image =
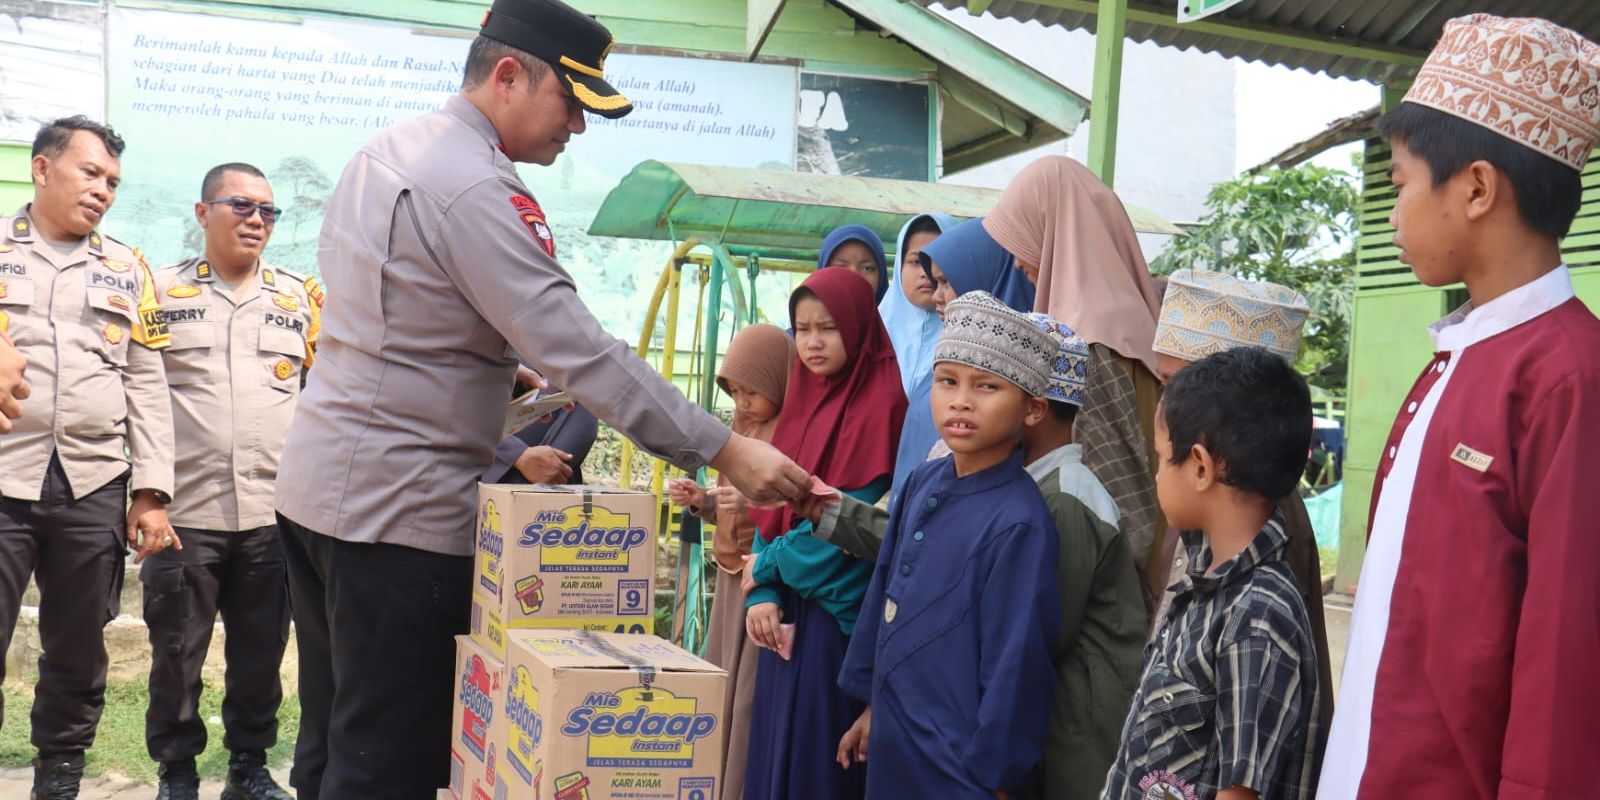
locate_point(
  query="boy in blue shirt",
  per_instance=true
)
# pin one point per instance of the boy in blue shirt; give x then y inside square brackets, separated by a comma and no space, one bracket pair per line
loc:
[953,644]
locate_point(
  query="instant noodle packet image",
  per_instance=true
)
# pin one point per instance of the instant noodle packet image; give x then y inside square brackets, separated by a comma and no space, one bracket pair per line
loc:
[606,716]
[578,557]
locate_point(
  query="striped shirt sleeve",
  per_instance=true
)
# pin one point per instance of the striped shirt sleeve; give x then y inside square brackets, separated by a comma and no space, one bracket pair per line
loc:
[1260,719]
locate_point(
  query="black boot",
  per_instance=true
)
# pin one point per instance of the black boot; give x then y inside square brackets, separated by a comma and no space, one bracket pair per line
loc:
[57,777]
[248,779]
[179,781]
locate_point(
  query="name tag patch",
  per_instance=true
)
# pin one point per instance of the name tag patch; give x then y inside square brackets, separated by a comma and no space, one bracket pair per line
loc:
[171,315]
[286,322]
[1471,458]
[121,284]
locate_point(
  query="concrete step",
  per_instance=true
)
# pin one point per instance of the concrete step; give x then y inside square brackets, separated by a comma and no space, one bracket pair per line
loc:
[128,647]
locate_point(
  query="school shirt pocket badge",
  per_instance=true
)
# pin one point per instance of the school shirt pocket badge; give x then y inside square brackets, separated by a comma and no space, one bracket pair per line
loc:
[1470,458]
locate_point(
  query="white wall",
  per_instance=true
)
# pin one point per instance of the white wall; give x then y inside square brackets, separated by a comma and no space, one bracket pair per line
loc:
[1177,134]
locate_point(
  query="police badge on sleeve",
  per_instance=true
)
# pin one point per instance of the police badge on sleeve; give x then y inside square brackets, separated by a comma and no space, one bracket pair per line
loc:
[533,216]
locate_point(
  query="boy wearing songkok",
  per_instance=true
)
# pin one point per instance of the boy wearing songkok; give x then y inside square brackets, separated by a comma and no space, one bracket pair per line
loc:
[1208,312]
[1475,640]
[1103,614]
[953,644]
[1227,705]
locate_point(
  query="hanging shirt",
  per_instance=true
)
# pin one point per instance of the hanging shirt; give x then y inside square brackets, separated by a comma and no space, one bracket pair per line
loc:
[953,646]
[1475,643]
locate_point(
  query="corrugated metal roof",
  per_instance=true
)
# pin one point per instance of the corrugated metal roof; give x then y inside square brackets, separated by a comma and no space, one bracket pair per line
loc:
[1395,26]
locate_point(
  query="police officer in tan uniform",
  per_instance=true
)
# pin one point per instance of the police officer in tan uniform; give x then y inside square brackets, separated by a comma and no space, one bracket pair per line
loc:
[82,309]
[243,334]
[441,268]
[13,386]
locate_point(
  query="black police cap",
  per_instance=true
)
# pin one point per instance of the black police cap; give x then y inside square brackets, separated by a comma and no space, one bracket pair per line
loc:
[571,42]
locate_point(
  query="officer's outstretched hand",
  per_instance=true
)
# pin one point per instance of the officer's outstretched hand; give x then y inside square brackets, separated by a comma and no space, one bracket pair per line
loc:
[13,387]
[760,472]
[149,531]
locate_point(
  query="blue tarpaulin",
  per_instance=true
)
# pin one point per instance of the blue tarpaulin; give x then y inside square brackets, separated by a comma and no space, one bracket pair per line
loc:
[1324,512]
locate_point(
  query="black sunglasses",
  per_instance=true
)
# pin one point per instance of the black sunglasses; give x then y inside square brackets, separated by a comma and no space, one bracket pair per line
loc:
[244,207]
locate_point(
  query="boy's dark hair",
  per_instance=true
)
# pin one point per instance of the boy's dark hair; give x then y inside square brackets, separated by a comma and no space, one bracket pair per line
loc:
[54,136]
[1251,410]
[923,224]
[484,53]
[1548,192]
[1064,413]
[213,179]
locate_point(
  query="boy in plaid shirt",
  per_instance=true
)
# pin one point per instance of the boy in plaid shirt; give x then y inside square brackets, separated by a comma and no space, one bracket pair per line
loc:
[1228,703]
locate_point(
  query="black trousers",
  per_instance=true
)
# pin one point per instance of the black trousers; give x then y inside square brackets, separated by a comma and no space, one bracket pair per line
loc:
[240,574]
[375,625]
[74,549]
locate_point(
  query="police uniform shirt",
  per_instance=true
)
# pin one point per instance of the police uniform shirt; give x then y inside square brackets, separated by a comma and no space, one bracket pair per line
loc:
[234,368]
[90,326]
[437,256]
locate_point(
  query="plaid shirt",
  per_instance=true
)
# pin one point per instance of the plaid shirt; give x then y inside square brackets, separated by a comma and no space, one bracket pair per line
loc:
[1229,695]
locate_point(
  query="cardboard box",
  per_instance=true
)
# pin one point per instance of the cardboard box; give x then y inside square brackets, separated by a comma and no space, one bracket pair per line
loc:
[578,557]
[477,723]
[597,716]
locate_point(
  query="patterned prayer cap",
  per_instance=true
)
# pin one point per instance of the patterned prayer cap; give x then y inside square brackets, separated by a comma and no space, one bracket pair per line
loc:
[1069,369]
[1209,312]
[984,333]
[1527,79]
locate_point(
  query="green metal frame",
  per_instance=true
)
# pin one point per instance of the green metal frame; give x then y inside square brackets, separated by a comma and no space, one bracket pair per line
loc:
[1110,35]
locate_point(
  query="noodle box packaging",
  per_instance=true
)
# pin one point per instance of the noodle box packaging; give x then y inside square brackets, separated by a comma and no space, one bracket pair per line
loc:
[477,723]
[577,557]
[608,716]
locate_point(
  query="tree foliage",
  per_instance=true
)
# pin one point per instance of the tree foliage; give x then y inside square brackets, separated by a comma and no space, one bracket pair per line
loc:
[1295,227]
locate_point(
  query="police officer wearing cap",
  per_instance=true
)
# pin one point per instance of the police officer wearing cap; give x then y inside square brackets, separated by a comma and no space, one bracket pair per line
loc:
[442,268]
[243,334]
[81,307]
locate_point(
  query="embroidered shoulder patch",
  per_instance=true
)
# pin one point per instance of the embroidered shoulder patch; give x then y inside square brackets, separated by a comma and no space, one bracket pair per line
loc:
[533,216]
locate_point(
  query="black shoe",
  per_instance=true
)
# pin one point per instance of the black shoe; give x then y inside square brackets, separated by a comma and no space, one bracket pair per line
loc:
[248,779]
[57,777]
[179,781]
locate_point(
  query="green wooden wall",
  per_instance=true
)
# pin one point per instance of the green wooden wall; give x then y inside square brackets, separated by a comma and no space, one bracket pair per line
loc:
[16,187]
[1389,340]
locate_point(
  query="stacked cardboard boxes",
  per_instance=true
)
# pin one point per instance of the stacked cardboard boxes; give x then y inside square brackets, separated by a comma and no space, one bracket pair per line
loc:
[555,698]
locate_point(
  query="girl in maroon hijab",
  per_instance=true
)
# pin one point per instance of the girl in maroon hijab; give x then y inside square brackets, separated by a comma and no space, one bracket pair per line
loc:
[841,422]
